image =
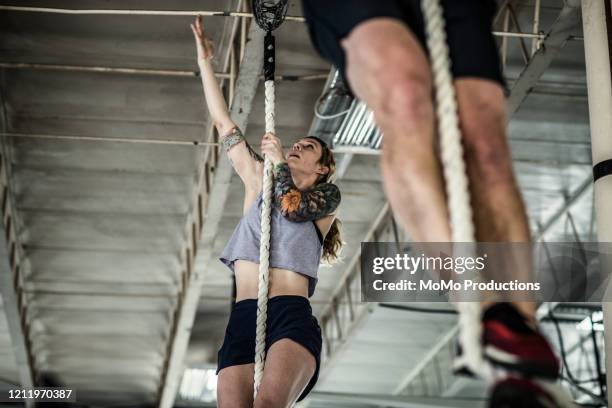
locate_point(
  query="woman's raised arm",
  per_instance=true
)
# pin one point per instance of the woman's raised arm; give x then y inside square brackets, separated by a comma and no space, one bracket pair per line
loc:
[245,161]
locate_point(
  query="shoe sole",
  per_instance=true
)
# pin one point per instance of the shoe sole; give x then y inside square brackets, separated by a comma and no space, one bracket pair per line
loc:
[521,393]
[526,369]
[508,363]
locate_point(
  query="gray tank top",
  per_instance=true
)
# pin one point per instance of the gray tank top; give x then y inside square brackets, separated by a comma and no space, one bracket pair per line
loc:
[295,246]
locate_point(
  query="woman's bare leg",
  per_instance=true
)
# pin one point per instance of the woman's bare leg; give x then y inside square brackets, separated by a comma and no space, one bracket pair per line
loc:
[235,386]
[288,370]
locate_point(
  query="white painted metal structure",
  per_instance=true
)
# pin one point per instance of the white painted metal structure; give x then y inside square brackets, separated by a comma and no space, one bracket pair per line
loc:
[597,24]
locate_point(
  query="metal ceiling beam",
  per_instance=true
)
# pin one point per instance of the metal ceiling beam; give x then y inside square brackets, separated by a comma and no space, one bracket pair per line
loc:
[315,76]
[555,40]
[133,12]
[246,88]
[171,13]
[11,270]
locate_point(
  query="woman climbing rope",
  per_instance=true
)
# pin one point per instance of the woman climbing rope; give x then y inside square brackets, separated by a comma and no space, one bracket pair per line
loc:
[304,230]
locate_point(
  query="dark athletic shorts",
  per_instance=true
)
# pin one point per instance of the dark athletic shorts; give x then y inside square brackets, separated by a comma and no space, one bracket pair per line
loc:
[468,26]
[289,317]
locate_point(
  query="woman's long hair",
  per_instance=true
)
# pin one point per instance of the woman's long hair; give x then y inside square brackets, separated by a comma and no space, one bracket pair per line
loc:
[333,240]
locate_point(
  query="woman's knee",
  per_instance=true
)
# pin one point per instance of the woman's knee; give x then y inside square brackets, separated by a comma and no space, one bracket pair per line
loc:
[271,398]
[289,368]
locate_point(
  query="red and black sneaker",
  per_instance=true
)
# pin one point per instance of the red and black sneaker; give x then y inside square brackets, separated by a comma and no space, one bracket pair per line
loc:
[514,392]
[512,347]
[520,362]
[510,343]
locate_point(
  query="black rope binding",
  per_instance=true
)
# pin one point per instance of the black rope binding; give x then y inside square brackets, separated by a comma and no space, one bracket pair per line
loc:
[269,15]
[269,56]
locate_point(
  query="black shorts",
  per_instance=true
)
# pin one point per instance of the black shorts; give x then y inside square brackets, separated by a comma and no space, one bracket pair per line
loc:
[473,50]
[289,317]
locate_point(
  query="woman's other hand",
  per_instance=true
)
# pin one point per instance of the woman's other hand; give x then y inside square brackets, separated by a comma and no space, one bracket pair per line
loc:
[272,148]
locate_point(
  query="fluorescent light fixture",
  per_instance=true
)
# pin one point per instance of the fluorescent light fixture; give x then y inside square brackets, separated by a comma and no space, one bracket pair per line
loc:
[199,384]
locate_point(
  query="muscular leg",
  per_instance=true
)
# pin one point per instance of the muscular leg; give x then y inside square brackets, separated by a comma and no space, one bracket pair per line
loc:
[235,387]
[288,370]
[499,212]
[389,71]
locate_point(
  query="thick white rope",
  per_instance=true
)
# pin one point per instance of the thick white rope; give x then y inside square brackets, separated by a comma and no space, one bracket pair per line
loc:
[264,248]
[451,155]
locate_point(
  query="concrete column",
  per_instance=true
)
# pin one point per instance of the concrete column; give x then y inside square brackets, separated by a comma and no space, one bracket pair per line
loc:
[597,25]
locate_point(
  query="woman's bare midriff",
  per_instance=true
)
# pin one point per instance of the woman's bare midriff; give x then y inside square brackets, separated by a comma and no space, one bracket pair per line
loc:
[282,281]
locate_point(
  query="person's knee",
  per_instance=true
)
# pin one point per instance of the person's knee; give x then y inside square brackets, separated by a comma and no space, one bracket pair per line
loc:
[377,42]
[385,59]
[405,115]
[406,99]
[404,88]
[272,394]
[482,106]
[483,114]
